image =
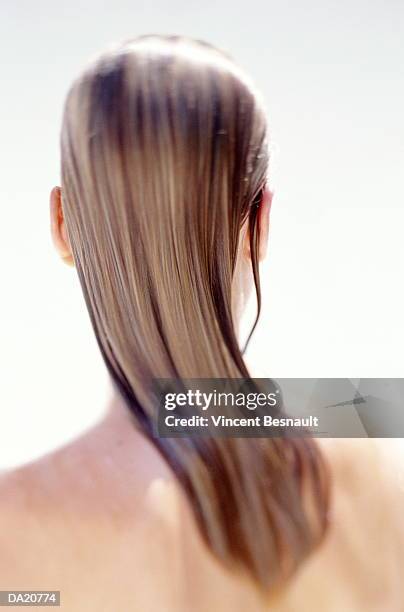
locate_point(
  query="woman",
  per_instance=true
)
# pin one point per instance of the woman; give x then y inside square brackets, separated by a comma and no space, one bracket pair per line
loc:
[164,211]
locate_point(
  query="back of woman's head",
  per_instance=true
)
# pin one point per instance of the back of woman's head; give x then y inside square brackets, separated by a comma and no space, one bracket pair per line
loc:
[164,161]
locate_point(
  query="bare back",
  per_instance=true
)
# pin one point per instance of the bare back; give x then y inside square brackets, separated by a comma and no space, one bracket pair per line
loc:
[104,521]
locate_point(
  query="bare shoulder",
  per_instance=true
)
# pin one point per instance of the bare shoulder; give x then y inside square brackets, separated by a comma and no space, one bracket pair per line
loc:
[22,528]
[378,463]
[367,509]
[359,560]
[369,475]
[95,511]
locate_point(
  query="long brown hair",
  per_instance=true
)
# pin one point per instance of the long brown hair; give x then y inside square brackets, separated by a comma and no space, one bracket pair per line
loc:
[164,158]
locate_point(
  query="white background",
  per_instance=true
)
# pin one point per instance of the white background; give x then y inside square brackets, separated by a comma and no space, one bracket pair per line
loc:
[332,77]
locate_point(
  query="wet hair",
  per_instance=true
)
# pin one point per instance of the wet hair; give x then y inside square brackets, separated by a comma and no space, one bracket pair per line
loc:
[164,159]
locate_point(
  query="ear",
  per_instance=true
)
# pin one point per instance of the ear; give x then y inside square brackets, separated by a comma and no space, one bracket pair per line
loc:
[58,227]
[264,215]
[264,209]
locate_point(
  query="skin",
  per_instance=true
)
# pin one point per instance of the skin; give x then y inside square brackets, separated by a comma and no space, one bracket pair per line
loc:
[104,521]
